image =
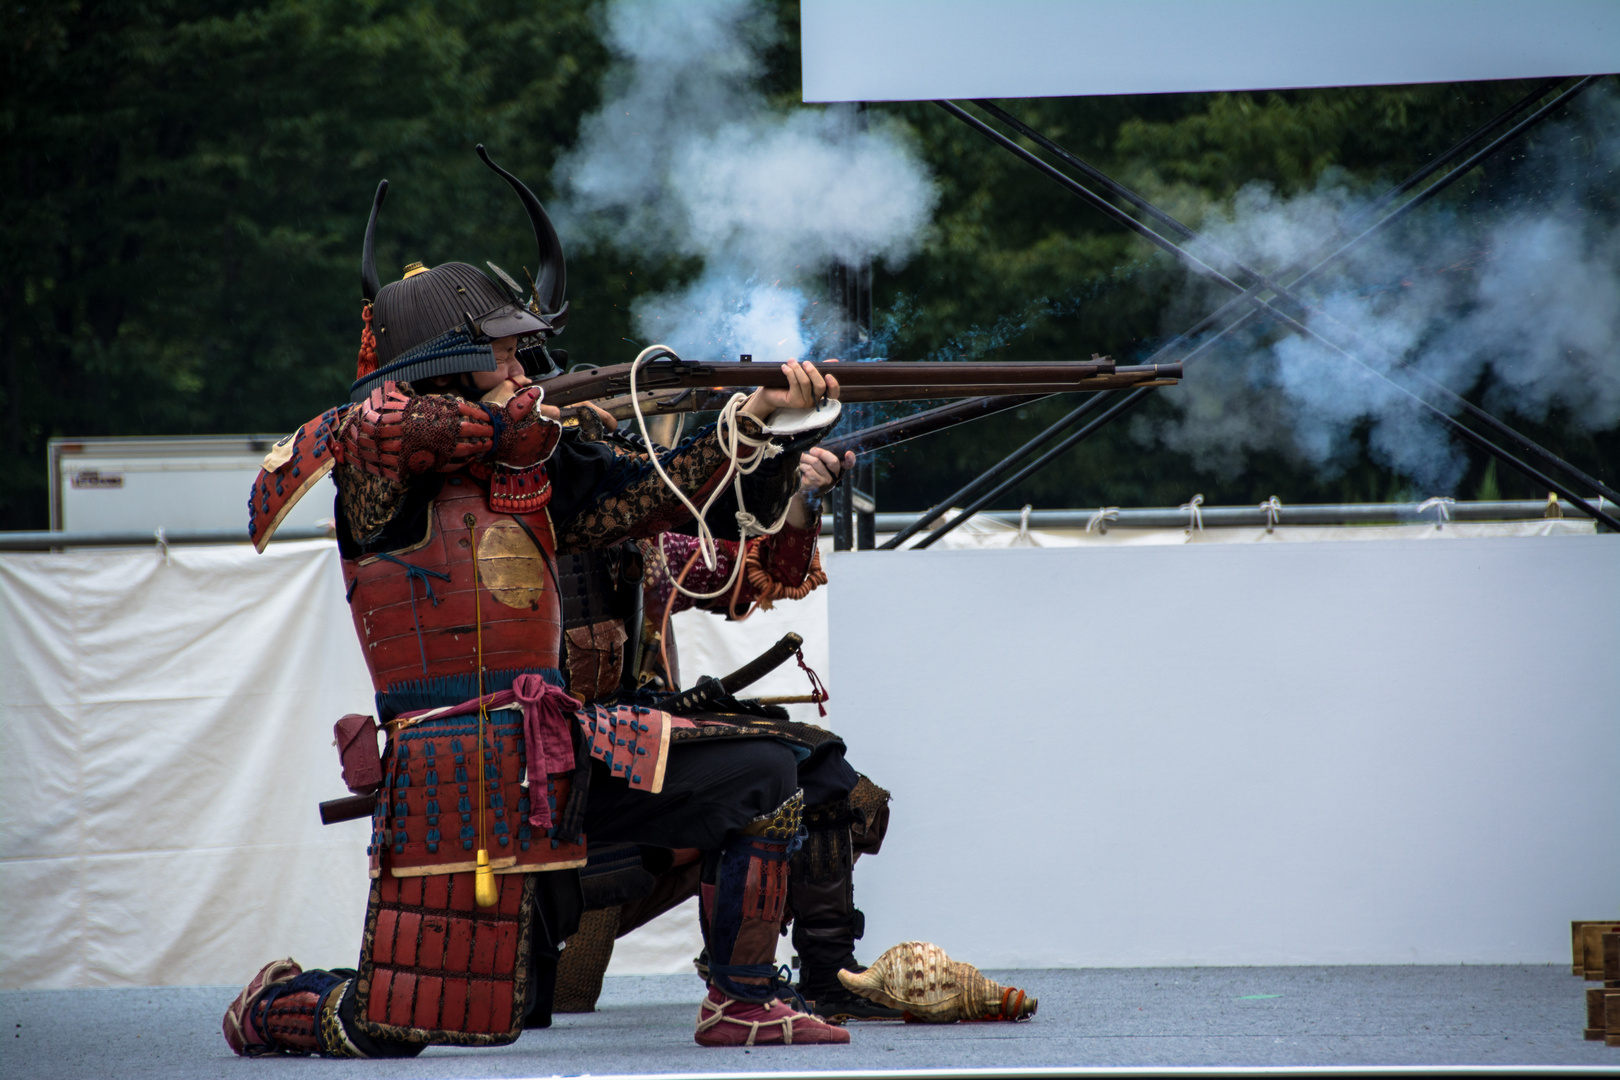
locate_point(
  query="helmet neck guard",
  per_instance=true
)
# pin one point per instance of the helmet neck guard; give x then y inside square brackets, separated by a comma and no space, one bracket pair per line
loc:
[450,353]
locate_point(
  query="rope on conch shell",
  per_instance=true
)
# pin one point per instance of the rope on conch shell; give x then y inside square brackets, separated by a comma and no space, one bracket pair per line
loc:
[918,978]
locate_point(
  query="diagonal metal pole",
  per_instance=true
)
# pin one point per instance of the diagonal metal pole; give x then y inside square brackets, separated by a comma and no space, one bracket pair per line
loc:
[1199,266]
[1237,303]
[1086,408]
[1366,213]
[889,433]
[1547,457]
[1118,409]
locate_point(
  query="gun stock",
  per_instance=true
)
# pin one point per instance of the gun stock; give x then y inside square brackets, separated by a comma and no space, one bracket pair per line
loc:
[347,808]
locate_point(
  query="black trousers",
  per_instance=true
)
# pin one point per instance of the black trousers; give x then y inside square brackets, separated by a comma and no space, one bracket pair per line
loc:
[711,788]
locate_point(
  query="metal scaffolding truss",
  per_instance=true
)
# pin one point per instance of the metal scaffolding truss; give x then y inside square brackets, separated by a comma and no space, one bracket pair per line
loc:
[1276,298]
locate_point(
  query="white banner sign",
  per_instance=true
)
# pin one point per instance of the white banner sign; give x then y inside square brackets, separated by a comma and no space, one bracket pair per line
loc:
[903,50]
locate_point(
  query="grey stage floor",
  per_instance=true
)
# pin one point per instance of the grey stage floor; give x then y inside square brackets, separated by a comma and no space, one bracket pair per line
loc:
[1157,1017]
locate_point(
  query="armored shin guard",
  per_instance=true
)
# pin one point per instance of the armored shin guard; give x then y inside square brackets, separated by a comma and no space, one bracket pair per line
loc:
[584,962]
[821,898]
[826,923]
[742,914]
[286,1010]
[744,903]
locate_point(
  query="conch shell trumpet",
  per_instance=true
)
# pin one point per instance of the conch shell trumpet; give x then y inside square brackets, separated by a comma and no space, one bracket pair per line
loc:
[921,981]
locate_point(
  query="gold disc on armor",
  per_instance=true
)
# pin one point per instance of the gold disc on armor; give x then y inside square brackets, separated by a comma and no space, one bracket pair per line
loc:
[510,566]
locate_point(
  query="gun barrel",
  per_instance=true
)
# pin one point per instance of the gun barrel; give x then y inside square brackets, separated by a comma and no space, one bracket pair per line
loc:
[701,388]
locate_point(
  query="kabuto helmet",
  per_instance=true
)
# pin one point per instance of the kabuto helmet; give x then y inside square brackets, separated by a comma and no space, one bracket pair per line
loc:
[441,320]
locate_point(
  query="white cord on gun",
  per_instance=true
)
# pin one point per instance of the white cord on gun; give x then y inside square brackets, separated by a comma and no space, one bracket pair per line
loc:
[732,441]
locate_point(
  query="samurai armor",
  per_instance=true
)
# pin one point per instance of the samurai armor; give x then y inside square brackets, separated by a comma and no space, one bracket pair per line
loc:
[279,1011]
[742,908]
[869,805]
[356,738]
[600,593]
[437,969]
[741,915]
[293,466]
[596,658]
[424,822]
[585,961]
[632,741]
[416,611]
[427,301]
[821,896]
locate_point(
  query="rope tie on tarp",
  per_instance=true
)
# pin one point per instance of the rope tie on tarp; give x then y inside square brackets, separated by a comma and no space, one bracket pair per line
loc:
[415,574]
[1195,516]
[1273,511]
[1442,505]
[1099,521]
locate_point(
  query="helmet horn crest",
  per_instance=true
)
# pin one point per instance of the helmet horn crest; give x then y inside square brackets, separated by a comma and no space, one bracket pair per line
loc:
[551,275]
[369,285]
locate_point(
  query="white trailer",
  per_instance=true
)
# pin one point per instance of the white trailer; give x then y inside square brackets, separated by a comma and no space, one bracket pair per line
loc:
[195,483]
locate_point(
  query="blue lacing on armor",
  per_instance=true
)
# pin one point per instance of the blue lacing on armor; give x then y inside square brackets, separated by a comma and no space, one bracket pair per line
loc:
[780,985]
[415,574]
[497,420]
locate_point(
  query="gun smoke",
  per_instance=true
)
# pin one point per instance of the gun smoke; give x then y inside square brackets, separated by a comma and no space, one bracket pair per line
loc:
[1519,297]
[686,158]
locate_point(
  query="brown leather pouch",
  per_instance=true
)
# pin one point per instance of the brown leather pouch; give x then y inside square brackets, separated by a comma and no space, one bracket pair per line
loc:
[356,737]
[595,658]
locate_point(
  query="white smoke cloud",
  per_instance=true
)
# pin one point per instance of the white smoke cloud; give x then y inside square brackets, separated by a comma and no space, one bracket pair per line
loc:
[687,158]
[1524,293]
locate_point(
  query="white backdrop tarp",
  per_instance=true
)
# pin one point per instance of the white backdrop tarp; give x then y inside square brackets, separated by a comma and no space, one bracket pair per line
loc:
[1367,752]
[164,732]
[165,729]
[165,736]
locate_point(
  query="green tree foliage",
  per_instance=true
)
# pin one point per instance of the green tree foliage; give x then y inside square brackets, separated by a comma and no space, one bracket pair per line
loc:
[1020,268]
[183,187]
[185,183]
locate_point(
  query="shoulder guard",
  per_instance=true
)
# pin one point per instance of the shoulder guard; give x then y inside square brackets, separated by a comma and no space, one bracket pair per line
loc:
[291,468]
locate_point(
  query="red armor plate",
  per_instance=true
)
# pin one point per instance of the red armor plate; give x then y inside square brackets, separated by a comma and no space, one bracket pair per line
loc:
[426,817]
[300,460]
[436,968]
[632,741]
[423,622]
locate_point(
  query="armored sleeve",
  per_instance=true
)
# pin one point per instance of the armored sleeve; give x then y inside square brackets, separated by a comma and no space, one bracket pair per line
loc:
[671,554]
[395,438]
[783,566]
[788,557]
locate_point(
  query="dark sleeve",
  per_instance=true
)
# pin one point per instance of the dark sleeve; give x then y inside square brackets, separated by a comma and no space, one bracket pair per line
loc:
[766,492]
[607,491]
